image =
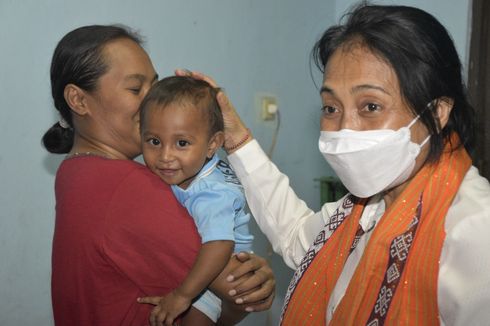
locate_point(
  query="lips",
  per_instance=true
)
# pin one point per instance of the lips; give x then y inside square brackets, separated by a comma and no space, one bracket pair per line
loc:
[167,172]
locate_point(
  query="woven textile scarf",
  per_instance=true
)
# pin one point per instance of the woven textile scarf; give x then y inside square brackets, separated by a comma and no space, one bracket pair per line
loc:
[395,282]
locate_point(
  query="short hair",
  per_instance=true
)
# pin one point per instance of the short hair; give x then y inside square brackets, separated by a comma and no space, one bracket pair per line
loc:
[78,59]
[423,56]
[185,89]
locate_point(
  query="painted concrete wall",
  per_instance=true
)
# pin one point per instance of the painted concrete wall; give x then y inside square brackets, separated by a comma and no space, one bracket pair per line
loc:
[250,47]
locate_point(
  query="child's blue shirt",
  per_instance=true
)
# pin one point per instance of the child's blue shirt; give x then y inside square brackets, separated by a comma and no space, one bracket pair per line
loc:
[216,202]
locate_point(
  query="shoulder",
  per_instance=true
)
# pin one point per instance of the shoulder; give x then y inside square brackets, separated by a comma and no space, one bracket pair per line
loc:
[144,209]
[467,224]
[471,205]
[97,168]
[210,191]
[464,258]
[129,187]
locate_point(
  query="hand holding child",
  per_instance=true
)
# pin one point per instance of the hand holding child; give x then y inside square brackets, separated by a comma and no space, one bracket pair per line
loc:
[167,308]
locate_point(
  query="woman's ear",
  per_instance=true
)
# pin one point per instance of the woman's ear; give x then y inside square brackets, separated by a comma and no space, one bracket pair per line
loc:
[75,98]
[442,111]
[215,143]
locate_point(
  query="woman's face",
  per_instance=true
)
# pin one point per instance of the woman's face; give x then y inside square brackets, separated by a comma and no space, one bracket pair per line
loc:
[114,105]
[360,92]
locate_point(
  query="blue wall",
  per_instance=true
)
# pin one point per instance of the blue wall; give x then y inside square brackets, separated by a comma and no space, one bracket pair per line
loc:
[250,47]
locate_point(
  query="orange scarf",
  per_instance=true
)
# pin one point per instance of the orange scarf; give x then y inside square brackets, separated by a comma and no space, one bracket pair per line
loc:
[395,281]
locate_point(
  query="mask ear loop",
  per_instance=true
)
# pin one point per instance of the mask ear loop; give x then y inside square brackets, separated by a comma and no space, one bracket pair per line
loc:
[435,116]
[429,106]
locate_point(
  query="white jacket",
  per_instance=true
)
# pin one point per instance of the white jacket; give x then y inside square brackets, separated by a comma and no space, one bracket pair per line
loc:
[291,227]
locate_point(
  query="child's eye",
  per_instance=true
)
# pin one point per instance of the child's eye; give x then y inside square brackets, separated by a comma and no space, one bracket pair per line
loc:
[182,143]
[153,141]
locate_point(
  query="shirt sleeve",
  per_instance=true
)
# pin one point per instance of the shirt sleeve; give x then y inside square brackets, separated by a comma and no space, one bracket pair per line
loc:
[213,206]
[149,236]
[464,274]
[288,223]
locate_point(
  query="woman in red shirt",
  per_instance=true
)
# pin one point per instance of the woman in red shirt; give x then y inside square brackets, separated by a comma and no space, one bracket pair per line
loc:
[120,234]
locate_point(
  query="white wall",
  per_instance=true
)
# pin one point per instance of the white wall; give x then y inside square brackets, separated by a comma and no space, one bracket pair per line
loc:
[249,46]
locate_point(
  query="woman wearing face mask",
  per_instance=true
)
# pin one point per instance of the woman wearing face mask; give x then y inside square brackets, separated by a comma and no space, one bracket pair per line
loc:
[409,244]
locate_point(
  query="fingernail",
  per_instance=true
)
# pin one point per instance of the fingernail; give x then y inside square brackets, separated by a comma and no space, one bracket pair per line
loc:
[230,278]
[239,301]
[138,299]
[187,71]
[249,309]
[232,292]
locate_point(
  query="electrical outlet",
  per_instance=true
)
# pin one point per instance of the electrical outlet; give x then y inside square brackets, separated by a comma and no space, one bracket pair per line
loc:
[268,107]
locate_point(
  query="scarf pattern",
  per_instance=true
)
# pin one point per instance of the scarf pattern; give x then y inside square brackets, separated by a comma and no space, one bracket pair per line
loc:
[399,250]
[340,214]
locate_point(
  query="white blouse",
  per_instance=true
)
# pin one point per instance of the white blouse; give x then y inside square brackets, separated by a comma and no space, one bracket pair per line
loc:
[291,227]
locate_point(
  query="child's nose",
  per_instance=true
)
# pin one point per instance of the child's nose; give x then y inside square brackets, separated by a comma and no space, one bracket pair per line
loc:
[166,154]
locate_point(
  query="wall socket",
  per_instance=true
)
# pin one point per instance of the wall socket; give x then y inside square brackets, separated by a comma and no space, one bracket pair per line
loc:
[268,107]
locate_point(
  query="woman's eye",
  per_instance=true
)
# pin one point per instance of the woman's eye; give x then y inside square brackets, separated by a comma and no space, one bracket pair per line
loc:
[372,107]
[182,143]
[327,109]
[135,90]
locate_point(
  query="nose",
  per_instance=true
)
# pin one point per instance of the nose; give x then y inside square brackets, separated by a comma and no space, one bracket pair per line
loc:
[349,120]
[345,120]
[166,154]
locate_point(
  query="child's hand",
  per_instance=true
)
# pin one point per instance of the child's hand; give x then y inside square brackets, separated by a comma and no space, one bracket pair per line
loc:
[167,308]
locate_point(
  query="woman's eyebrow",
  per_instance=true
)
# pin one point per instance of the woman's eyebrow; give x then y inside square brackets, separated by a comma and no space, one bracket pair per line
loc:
[326,89]
[362,87]
[355,89]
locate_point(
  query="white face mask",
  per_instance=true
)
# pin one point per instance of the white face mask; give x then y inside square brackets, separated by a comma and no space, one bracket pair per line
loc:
[368,162]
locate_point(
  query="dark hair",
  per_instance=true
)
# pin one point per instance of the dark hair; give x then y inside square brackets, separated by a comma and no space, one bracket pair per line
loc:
[423,56]
[78,60]
[182,89]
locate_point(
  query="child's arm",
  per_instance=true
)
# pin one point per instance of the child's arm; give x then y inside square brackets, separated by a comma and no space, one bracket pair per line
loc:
[211,260]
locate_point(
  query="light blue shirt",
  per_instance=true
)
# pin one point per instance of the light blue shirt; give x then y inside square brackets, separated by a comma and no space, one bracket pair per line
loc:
[216,201]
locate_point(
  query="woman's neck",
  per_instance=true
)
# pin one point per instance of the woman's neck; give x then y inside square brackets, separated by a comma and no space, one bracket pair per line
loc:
[84,146]
[391,195]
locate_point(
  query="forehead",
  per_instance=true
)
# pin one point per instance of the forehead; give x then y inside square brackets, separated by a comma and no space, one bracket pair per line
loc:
[355,64]
[124,56]
[176,115]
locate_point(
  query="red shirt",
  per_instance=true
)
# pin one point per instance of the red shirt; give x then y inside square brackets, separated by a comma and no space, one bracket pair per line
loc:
[119,234]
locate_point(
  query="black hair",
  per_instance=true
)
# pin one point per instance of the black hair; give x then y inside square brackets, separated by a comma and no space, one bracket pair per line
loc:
[182,89]
[78,60]
[423,56]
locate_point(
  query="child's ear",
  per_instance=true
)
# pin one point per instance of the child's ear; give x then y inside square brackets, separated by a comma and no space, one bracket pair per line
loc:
[442,111]
[75,97]
[215,143]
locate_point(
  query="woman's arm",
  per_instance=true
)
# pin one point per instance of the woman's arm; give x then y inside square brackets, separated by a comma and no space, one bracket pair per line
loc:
[285,219]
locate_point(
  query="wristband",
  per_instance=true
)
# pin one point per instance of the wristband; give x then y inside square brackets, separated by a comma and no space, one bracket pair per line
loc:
[240,143]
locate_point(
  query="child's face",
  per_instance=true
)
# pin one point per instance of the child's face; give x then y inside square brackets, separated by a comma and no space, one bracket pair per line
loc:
[176,142]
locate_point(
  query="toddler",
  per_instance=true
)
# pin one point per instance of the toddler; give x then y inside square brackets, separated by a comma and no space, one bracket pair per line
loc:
[182,128]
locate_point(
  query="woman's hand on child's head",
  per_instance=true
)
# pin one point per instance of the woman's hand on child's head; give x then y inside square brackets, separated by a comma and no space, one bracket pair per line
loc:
[167,308]
[254,282]
[235,129]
